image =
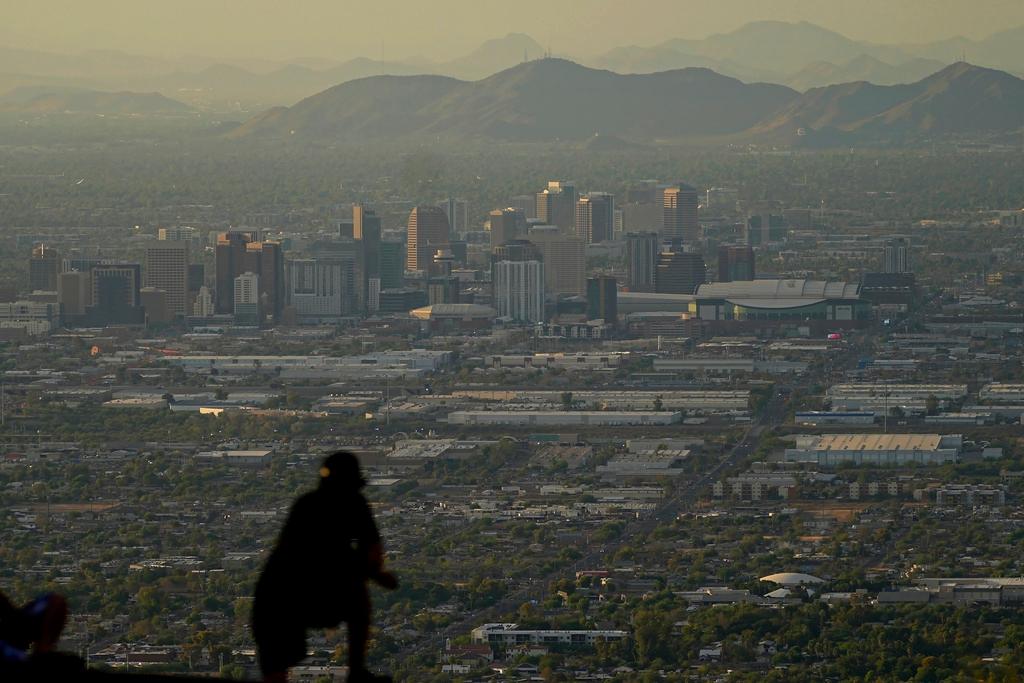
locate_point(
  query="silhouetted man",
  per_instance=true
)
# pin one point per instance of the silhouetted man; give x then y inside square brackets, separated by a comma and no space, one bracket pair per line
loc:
[316,576]
[36,625]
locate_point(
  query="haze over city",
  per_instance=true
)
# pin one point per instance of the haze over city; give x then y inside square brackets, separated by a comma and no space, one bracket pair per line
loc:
[444,29]
[475,342]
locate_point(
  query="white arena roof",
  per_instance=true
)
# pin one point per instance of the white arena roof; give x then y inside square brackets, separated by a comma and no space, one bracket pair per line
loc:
[791,579]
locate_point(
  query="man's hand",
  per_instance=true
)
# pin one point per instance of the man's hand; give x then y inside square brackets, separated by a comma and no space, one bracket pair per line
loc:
[386,579]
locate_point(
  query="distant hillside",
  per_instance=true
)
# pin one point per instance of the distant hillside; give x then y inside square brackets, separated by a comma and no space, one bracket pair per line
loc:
[862,68]
[540,100]
[493,56]
[80,101]
[961,99]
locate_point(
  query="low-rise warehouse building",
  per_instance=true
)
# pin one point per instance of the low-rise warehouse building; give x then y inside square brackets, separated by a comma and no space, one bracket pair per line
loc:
[876,449]
[511,634]
[577,418]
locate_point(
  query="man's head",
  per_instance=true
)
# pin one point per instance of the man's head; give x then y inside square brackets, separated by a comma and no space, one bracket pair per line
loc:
[340,470]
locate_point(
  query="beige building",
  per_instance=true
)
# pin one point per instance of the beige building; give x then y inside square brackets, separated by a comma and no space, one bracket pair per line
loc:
[565,260]
[166,268]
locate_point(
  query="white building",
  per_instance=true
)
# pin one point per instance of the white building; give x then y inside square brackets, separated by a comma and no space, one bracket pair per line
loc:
[203,305]
[323,289]
[34,317]
[519,290]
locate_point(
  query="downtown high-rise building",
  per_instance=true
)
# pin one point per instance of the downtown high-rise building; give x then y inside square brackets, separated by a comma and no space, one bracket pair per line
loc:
[641,257]
[565,260]
[229,256]
[116,294]
[680,220]
[602,299]
[166,268]
[366,231]
[556,205]
[324,288]
[735,262]
[392,265]
[74,292]
[457,211]
[506,225]
[679,272]
[44,268]
[519,290]
[246,302]
[428,231]
[595,217]
[237,254]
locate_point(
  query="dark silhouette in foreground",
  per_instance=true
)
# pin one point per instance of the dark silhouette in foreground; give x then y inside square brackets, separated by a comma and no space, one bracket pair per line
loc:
[317,575]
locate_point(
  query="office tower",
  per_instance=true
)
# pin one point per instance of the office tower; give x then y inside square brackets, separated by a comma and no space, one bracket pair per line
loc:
[115,294]
[679,214]
[156,304]
[266,259]
[556,205]
[457,211]
[765,229]
[229,255]
[618,223]
[314,288]
[641,258]
[459,250]
[246,299]
[565,260]
[203,305]
[74,293]
[442,287]
[196,279]
[527,203]
[346,228]
[735,262]
[595,217]
[506,225]
[116,284]
[679,272]
[181,233]
[517,250]
[519,290]
[602,299]
[428,231]
[237,253]
[366,231]
[392,265]
[897,256]
[327,286]
[43,268]
[166,269]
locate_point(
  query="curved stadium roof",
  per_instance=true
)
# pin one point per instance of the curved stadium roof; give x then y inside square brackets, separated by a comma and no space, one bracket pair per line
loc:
[789,290]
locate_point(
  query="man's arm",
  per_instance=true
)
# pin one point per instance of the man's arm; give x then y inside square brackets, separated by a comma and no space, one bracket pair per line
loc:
[369,539]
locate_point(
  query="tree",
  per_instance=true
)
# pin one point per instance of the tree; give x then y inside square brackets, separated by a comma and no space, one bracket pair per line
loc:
[567,401]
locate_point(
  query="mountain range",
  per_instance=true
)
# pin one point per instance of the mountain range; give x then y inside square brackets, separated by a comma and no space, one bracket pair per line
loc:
[555,99]
[799,55]
[45,100]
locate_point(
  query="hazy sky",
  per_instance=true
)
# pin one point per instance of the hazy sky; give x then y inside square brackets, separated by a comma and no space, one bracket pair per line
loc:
[339,29]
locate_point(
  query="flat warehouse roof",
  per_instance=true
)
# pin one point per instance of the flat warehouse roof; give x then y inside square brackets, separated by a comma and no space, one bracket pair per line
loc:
[878,442]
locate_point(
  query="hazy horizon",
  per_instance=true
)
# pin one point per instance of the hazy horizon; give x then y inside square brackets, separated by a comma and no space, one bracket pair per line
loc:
[397,30]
